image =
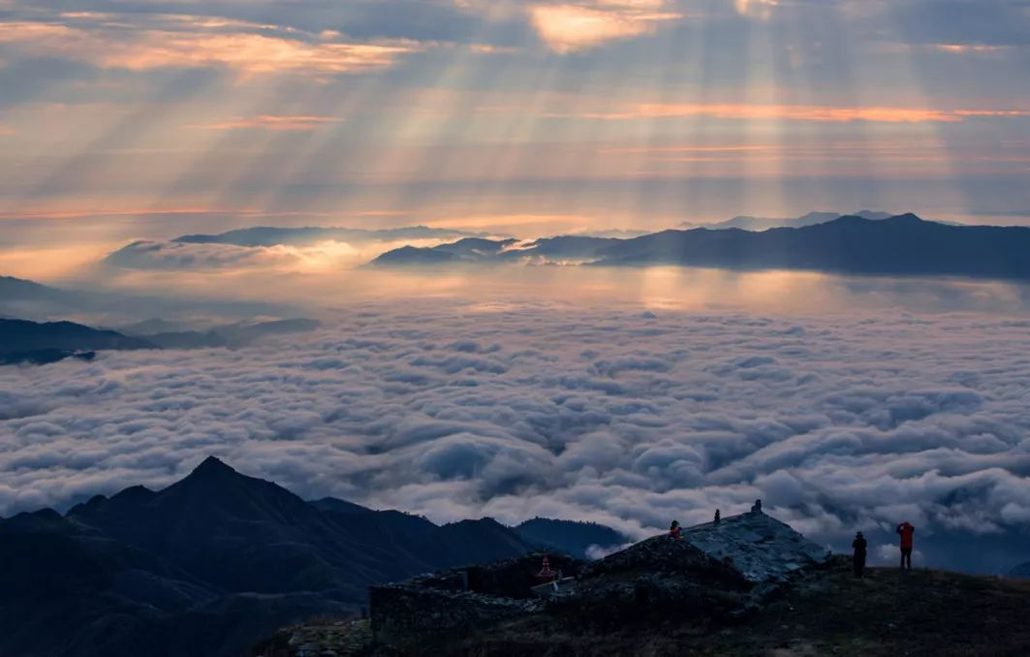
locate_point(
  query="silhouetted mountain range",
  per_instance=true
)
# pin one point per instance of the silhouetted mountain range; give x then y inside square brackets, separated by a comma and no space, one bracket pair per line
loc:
[900,245]
[31,342]
[168,336]
[765,223]
[18,289]
[210,564]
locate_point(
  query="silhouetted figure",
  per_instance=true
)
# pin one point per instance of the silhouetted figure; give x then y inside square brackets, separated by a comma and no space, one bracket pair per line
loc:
[674,530]
[718,516]
[860,546]
[547,574]
[907,532]
[757,508]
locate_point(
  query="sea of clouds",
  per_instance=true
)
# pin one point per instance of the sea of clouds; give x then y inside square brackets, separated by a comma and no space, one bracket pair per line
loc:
[838,422]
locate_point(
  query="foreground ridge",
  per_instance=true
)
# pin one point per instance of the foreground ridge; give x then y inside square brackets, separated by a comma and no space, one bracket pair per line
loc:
[746,587]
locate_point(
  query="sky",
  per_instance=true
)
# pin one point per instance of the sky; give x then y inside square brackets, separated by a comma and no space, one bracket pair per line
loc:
[129,119]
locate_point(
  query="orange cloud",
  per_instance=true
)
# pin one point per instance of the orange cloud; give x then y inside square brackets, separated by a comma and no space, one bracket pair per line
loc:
[199,45]
[968,48]
[271,122]
[571,27]
[755,8]
[815,113]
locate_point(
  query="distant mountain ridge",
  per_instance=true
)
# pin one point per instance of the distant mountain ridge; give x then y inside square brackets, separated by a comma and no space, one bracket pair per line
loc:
[168,336]
[765,223]
[210,564]
[22,341]
[272,236]
[900,245]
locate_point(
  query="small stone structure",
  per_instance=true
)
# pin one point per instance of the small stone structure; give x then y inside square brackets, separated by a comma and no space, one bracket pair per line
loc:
[444,606]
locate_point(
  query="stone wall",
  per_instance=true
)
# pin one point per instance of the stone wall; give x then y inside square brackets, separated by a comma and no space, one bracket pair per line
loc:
[414,619]
[414,616]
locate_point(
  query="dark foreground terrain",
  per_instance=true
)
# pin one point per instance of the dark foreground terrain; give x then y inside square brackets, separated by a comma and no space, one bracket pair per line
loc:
[828,612]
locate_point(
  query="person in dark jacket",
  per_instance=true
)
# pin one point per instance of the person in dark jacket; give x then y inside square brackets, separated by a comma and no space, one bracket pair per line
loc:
[674,531]
[860,545]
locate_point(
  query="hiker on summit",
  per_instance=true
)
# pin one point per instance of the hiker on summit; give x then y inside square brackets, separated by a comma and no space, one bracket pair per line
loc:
[906,531]
[718,516]
[860,546]
[757,508]
[674,530]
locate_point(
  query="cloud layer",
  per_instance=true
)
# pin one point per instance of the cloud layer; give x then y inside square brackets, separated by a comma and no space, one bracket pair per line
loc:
[617,416]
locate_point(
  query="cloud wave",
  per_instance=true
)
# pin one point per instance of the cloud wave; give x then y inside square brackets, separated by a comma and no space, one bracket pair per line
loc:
[599,415]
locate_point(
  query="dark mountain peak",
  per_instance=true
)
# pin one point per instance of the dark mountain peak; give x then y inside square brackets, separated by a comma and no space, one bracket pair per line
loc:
[908,217]
[133,494]
[212,468]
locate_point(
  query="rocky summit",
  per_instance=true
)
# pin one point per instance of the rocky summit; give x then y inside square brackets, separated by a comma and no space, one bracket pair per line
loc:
[761,548]
[715,574]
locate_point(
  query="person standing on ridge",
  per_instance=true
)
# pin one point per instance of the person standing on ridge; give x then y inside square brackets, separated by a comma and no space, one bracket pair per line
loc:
[860,546]
[674,530]
[906,531]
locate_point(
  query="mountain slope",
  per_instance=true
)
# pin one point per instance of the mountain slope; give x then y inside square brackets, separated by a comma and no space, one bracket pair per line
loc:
[17,289]
[578,539]
[900,245]
[32,342]
[208,565]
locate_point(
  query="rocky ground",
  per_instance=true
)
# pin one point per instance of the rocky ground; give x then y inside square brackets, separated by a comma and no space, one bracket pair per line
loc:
[828,613]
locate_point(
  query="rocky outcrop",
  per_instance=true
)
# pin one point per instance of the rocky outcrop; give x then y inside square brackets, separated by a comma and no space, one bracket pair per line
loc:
[759,547]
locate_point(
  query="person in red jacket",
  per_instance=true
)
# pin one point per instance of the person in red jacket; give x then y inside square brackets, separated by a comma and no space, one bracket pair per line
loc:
[906,531]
